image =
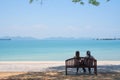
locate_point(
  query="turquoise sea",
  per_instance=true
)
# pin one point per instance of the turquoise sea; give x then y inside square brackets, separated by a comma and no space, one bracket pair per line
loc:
[57,50]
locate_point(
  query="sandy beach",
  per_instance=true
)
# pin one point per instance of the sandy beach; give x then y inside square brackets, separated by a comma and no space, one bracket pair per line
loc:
[16,69]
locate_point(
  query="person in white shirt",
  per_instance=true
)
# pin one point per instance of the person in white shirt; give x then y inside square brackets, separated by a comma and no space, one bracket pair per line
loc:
[88,55]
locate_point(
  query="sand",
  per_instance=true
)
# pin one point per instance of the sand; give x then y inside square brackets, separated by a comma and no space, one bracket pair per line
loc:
[28,66]
[11,69]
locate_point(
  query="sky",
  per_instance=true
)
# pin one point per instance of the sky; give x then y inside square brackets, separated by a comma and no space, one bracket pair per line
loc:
[59,18]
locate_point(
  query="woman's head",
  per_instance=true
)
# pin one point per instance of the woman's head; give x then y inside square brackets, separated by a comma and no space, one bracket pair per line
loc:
[88,53]
[77,54]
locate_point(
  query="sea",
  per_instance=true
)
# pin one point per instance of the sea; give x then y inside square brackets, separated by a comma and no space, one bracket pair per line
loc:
[58,50]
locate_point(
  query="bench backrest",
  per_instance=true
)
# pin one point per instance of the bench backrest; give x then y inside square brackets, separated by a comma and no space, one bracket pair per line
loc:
[87,62]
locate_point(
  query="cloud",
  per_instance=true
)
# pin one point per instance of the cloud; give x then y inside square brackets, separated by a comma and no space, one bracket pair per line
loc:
[44,31]
[40,31]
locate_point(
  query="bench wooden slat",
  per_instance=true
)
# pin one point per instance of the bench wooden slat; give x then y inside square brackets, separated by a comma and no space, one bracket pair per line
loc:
[88,63]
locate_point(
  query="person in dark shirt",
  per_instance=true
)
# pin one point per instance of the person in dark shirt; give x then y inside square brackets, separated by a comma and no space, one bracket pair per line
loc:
[78,61]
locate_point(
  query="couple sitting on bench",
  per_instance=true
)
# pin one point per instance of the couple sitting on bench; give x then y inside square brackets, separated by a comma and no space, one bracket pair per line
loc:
[82,62]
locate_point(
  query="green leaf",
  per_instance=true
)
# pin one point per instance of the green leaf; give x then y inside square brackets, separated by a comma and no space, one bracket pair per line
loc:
[76,0]
[94,2]
[82,3]
[108,0]
[30,1]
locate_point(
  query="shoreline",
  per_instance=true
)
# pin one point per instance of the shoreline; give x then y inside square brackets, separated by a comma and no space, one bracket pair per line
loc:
[30,61]
[40,66]
[57,62]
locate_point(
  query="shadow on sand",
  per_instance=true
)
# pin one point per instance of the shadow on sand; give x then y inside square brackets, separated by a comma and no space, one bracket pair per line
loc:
[106,72]
[100,69]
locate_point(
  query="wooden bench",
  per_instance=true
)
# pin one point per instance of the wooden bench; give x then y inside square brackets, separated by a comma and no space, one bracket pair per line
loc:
[88,63]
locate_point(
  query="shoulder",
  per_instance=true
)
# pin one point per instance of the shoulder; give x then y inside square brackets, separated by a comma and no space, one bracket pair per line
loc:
[92,57]
[89,56]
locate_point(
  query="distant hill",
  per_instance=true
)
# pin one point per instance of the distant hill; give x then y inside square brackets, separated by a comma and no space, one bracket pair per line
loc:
[64,38]
[4,39]
[17,38]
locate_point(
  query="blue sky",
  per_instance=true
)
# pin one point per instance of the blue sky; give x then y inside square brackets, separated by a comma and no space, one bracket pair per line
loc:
[59,18]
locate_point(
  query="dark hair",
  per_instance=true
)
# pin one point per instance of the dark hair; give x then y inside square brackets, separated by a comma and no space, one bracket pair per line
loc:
[88,53]
[77,54]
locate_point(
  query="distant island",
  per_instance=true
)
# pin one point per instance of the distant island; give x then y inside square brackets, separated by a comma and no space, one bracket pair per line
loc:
[107,39]
[17,38]
[5,39]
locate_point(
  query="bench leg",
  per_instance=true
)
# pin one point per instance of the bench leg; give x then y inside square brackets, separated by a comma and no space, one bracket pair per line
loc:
[66,70]
[89,69]
[95,70]
[77,69]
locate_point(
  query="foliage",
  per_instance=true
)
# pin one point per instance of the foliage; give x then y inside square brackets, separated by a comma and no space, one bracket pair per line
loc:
[32,1]
[93,2]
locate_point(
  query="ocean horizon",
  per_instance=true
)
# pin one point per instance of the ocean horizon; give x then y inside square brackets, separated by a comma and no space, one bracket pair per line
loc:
[58,50]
